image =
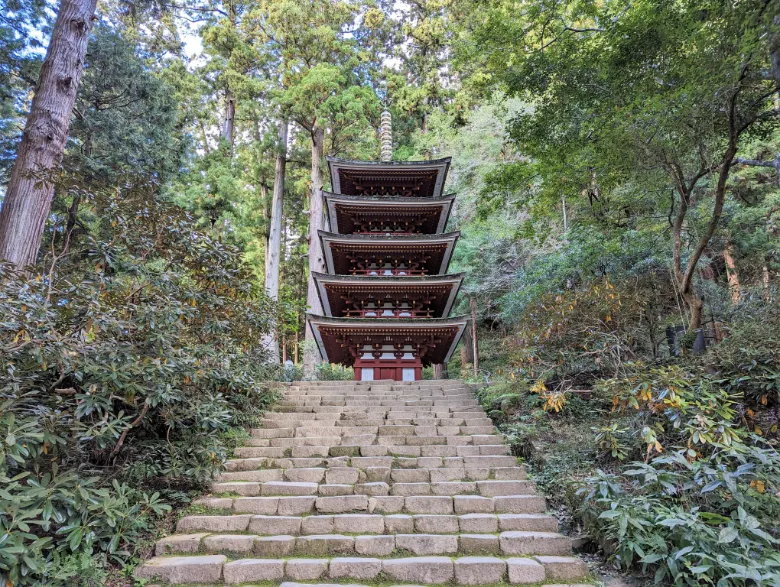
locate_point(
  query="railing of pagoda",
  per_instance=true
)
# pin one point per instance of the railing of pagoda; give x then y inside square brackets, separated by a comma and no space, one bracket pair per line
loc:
[389,271]
[390,232]
[388,313]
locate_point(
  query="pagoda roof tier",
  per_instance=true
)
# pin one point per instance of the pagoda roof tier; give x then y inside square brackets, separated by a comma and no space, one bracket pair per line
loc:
[424,179]
[363,254]
[362,214]
[340,340]
[349,295]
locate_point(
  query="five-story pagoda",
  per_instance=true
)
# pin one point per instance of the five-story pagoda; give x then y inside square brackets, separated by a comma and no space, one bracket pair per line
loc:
[387,295]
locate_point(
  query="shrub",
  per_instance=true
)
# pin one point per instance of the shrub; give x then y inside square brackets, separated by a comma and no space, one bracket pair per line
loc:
[128,360]
[710,521]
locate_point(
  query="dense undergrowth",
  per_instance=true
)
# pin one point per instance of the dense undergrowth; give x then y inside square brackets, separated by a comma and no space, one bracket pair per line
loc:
[669,462]
[130,367]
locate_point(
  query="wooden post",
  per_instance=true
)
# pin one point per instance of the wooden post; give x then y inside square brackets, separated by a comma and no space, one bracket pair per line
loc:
[475,346]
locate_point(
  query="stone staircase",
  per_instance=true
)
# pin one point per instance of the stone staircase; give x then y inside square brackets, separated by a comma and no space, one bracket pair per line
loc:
[381,482]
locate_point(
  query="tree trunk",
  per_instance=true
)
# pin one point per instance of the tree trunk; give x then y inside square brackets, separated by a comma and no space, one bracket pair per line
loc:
[31,186]
[474,342]
[731,273]
[565,218]
[438,371]
[274,249]
[311,354]
[275,234]
[696,306]
[765,282]
[228,125]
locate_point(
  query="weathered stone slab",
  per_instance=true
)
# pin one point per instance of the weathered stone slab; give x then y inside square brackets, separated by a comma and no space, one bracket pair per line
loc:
[563,568]
[431,570]
[359,523]
[479,544]
[354,568]
[183,569]
[213,523]
[271,525]
[179,543]
[306,569]
[479,570]
[245,570]
[342,504]
[374,545]
[436,524]
[229,543]
[478,523]
[428,505]
[322,544]
[274,546]
[525,571]
[427,544]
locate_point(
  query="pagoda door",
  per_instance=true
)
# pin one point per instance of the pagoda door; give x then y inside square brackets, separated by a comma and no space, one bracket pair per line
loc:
[388,364]
[388,373]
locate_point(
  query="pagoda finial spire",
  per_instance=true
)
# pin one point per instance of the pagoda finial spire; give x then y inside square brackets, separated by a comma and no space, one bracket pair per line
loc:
[386,137]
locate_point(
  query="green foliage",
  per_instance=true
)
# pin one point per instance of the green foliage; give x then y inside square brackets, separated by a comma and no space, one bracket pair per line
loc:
[132,360]
[746,368]
[57,520]
[711,521]
[331,372]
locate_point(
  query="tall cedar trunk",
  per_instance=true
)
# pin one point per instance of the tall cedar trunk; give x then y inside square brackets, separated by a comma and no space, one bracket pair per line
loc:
[475,349]
[311,354]
[31,187]
[274,248]
[275,235]
[731,273]
[228,125]
[267,215]
[438,371]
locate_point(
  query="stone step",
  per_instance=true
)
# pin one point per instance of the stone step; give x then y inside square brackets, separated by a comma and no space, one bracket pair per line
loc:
[387,403]
[297,505]
[373,407]
[284,545]
[352,475]
[372,419]
[379,459]
[356,451]
[298,419]
[488,488]
[423,435]
[342,473]
[374,440]
[356,428]
[422,570]
[369,524]
[411,396]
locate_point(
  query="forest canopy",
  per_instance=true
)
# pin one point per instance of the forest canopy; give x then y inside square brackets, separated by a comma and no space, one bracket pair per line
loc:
[617,166]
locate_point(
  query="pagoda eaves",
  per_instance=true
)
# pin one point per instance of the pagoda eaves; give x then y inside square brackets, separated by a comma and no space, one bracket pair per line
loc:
[387,297]
[409,178]
[394,214]
[385,254]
